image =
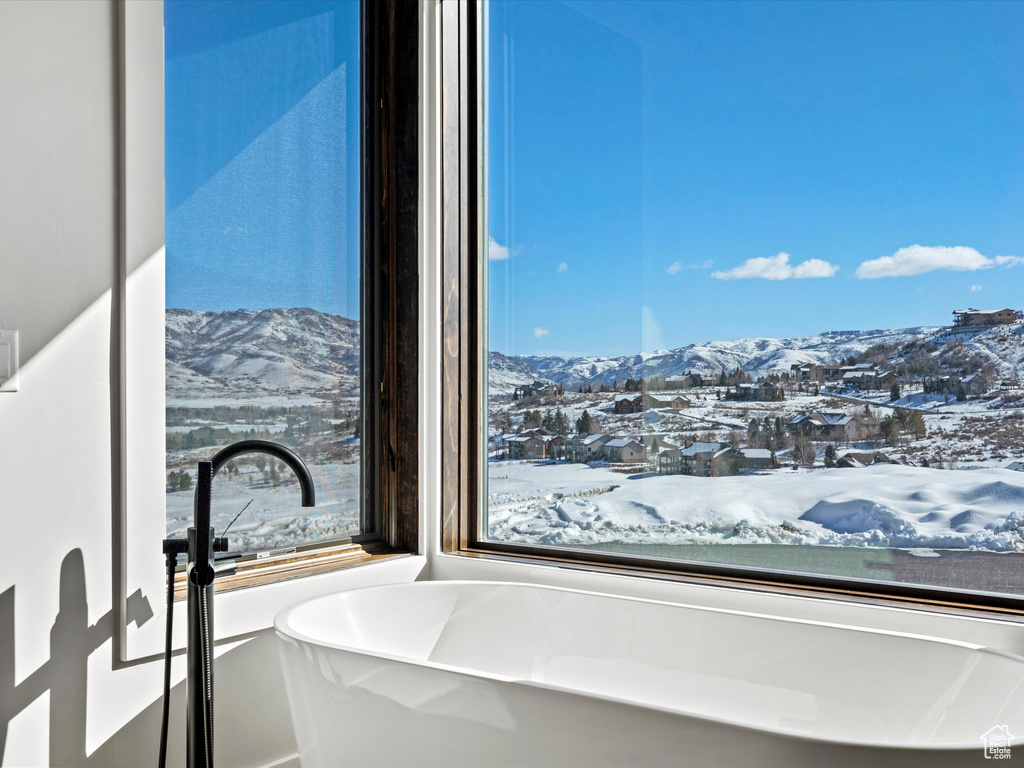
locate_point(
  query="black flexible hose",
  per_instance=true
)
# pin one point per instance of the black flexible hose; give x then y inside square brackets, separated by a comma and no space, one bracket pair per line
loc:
[207,669]
[172,564]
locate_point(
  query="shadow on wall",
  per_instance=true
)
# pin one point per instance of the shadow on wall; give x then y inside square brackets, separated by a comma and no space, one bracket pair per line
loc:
[262,716]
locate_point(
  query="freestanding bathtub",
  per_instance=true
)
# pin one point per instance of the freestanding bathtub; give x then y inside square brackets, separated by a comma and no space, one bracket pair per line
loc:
[486,673]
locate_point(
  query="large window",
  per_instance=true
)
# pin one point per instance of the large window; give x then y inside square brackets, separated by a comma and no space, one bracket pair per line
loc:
[263,262]
[751,281]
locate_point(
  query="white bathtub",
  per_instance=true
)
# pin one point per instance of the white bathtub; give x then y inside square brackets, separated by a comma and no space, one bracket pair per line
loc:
[485,673]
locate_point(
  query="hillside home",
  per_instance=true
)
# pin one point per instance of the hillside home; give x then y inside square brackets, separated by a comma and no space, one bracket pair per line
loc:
[703,460]
[975,384]
[582,448]
[538,387]
[629,403]
[761,392]
[686,381]
[538,443]
[625,450]
[674,402]
[831,426]
[855,459]
[811,373]
[968,317]
[755,458]
[643,401]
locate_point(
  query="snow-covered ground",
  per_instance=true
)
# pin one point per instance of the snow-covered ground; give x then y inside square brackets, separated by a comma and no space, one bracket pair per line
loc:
[275,518]
[879,506]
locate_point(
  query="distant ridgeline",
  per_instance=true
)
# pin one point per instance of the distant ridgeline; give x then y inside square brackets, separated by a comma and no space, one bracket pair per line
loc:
[926,350]
[266,353]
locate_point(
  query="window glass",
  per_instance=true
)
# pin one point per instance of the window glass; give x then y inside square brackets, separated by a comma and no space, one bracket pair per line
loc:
[754,285]
[263,260]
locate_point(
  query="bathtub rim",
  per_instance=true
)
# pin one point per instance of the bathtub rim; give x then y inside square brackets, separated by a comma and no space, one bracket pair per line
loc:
[289,634]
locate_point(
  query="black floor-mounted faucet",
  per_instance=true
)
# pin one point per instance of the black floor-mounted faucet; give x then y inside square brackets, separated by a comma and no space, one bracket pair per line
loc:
[201,572]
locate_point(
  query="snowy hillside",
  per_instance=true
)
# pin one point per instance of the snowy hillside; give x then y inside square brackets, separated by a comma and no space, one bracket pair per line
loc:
[273,352]
[755,356]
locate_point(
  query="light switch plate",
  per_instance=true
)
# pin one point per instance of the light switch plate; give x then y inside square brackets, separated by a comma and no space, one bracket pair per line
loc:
[8,360]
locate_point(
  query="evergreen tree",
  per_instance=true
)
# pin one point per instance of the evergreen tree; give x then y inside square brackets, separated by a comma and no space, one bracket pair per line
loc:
[583,423]
[830,455]
[894,391]
[961,392]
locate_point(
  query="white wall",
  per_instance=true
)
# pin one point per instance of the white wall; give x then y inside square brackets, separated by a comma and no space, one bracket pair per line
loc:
[64,697]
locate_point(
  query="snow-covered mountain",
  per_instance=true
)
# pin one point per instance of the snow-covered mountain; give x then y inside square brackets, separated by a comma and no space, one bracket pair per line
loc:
[755,356]
[269,352]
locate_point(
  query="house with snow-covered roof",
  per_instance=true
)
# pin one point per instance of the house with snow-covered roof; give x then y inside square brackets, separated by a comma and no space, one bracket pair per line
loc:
[975,384]
[625,450]
[854,459]
[967,317]
[700,459]
[585,447]
[833,426]
[538,443]
[755,458]
[628,403]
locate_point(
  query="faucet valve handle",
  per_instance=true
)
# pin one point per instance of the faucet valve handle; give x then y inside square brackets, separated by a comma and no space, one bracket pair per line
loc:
[220,544]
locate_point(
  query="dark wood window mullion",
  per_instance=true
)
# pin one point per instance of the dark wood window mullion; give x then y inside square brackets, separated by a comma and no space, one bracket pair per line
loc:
[391,270]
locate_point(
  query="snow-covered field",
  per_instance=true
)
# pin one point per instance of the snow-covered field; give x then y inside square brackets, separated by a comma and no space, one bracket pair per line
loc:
[275,518]
[889,505]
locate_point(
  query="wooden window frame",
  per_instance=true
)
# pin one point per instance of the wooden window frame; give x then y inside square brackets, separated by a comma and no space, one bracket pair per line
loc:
[463,382]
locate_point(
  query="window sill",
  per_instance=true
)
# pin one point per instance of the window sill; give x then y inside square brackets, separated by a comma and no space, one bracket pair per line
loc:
[1005,633]
[254,573]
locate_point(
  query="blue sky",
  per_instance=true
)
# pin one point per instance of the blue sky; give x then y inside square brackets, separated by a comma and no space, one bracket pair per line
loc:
[262,154]
[662,173]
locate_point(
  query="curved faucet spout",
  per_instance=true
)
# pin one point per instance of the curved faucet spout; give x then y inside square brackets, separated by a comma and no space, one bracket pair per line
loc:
[276,450]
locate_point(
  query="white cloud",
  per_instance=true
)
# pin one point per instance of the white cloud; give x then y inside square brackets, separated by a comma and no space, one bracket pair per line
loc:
[1008,261]
[918,259]
[975,287]
[496,251]
[778,268]
[538,331]
[679,266]
[563,267]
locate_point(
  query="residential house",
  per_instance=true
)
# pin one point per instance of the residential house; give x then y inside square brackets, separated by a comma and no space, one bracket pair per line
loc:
[975,384]
[629,403]
[674,402]
[755,458]
[643,401]
[968,317]
[538,387]
[761,392]
[536,443]
[826,425]
[686,381]
[708,460]
[811,373]
[625,450]
[854,459]
[585,447]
